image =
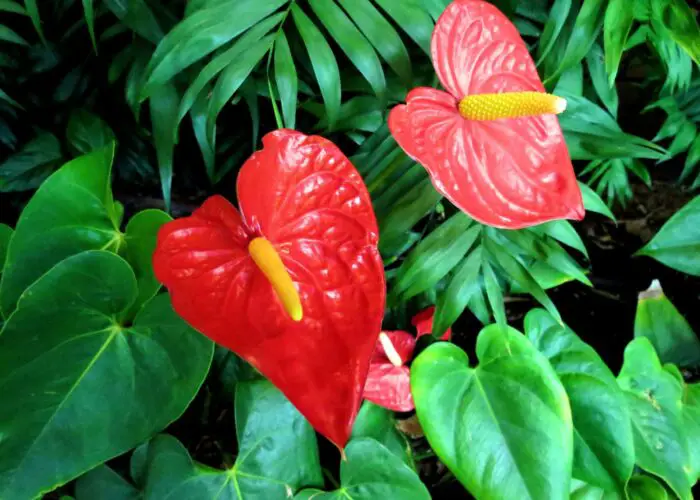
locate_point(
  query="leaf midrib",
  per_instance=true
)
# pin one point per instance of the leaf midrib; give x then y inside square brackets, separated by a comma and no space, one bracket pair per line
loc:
[85,371]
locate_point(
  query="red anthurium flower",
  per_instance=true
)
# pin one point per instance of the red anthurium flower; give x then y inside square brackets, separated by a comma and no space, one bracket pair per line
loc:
[389,381]
[492,143]
[423,321]
[294,282]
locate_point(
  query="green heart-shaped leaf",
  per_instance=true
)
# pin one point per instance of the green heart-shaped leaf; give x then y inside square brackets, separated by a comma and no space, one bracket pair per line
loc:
[654,399]
[669,332]
[677,244]
[638,488]
[603,441]
[5,237]
[141,235]
[503,428]
[379,423]
[581,490]
[277,454]
[102,483]
[71,212]
[691,425]
[370,472]
[645,488]
[78,387]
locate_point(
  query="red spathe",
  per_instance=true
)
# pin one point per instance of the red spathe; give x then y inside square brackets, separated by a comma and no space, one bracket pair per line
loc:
[304,196]
[508,173]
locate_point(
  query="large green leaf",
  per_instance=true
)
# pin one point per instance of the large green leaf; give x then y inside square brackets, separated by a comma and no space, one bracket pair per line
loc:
[87,387]
[638,488]
[436,255]
[465,286]
[369,472]
[380,424]
[222,61]
[6,233]
[323,61]
[588,24]
[669,332]
[552,28]
[141,234]
[412,19]
[201,33]
[503,428]
[137,15]
[595,60]
[12,6]
[7,35]
[286,80]
[232,78]
[677,244]
[352,42]
[691,425]
[603,441]
[593,203]
[680,23]
[591,133]
[71,212]
[654,399]
[102,483]
[163,105]
[616,28]
[645,488]
[30,166]
[277,454]
[381,34]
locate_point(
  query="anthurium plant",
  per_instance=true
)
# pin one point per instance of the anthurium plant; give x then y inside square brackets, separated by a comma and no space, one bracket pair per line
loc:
[360,249]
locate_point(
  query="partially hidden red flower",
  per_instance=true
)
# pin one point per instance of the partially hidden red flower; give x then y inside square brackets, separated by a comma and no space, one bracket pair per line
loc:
[293,282]
[423,322]
[492,143]
[389,380]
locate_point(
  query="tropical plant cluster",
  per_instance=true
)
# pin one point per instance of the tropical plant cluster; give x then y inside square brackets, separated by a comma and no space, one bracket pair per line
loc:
[512,363]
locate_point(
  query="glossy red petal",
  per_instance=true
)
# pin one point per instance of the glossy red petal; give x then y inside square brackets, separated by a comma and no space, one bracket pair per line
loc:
[389,386]
[304,196]
[474,45]
[509,173]
[403,343]
[299,186]
[423,322]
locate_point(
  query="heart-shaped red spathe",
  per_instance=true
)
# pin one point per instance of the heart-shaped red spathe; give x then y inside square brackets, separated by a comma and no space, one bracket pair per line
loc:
[305,197]
[389,385]
[508,173]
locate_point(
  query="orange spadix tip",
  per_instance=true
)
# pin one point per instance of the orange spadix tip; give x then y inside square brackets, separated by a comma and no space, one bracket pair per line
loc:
[510,105]
[269,262]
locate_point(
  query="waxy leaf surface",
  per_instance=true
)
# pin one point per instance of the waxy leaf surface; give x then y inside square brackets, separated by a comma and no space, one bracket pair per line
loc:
[603,440]
[86,388]
[277,454]
[503,428]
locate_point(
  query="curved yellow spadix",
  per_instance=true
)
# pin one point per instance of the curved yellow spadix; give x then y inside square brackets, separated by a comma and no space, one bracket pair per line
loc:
[269,262]
[510,105]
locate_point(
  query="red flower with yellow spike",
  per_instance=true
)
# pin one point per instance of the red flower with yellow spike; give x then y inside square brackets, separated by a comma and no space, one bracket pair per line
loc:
[294,282]
[492,143]
[389,380]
